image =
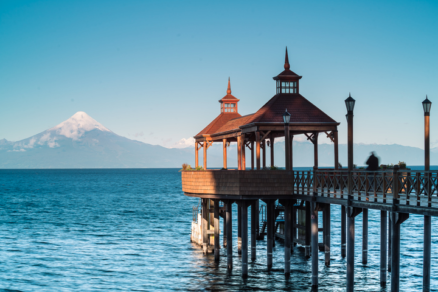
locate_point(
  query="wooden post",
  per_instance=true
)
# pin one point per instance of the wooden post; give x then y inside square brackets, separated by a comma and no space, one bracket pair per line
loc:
[287,236]
[224,231]
[216,230]
[239,228]
[395,257]
[244,223]
[315,150]
[314,244]
[308,229]
[291,152]
[254,229]
[427,234]
[335,138]
[196,154]
[257,134]
[286,147]
[270,230]
[293,227]
[343,232]
[239,152]
[365,236]
[252,155]
[204,226]
[264,153]
[389,241]
[271,141]
[327,234]
[224,141]
[383,239]
[205,154]
[243,166]
[350,251]
[229,214]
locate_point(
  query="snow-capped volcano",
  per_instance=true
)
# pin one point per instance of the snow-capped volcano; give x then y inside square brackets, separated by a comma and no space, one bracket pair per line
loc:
[77,125]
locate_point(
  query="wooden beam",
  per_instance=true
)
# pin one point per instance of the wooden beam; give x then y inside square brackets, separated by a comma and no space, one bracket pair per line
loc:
[224,148]
[252,155]
[265,135]
[336,149]
[205,155]
[239,152]
[264,153]
[258,150]
[271,139]
[243,145]
[196,154]
[315,149]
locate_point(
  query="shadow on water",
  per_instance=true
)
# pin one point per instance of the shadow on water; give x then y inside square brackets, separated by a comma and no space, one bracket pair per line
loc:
[129,229]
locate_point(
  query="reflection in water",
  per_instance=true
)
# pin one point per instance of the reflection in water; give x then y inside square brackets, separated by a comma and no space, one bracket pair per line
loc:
[86,230]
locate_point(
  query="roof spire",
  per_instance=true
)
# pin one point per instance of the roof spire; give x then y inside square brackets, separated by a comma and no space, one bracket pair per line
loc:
[286,61]
[229,86]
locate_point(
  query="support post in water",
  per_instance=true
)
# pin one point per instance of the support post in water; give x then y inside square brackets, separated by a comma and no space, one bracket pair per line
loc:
[314,218]
[270,226]
[383,239]
[327,234]
[365,236]
[287,235]
[216,230]
[343,232]
[427,252]
[244,224]
[229,205]
[254,225]
[239,229]
[389,242]
[351,214]
[224,228]
[204,225]
[307,238]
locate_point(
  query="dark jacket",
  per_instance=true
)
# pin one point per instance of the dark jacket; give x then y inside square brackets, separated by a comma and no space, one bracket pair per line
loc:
[373,163]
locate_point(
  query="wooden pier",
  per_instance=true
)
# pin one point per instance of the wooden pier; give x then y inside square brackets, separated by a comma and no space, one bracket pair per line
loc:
[303,196]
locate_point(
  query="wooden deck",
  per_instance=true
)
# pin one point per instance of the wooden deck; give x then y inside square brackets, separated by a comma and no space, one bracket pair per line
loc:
[416,191]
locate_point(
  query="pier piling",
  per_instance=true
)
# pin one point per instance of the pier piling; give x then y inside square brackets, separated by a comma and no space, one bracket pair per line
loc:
[307,238]
[351,214]
[293,227]
[204,226]
[287,236]
[270,230]
[216,230]
[395,257]
[224,228]
[327,218]
[383,239]
[314,218]
[244,238]
[254,228]
[239,229]
[389,242]
[229,213]
[365,236]
[343,232]
[427,253]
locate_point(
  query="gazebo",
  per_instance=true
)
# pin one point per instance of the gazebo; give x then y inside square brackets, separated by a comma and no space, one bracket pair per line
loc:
[261,128]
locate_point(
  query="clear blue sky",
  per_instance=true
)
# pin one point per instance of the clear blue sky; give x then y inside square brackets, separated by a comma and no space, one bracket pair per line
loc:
[155,70]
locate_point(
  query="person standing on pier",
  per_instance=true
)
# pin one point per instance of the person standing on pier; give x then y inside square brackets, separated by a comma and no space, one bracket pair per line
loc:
[372,162]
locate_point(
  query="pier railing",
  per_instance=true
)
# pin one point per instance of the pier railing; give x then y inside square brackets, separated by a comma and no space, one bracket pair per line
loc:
[409,187]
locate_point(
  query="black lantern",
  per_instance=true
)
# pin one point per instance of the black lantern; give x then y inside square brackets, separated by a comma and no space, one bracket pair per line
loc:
[286,117]
[427,104]
[349,103]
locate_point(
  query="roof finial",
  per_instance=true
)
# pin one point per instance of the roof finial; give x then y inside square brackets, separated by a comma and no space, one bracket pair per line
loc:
[229,86]
[349,94]
[286,61]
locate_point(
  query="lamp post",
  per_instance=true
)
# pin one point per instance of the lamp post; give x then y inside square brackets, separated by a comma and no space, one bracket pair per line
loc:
[286,120]
[427,104]
[349,103]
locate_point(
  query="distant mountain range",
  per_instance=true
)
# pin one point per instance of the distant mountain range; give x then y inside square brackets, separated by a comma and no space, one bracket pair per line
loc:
[82,142]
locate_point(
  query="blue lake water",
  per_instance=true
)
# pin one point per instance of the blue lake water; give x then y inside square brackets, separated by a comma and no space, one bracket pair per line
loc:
[129,230]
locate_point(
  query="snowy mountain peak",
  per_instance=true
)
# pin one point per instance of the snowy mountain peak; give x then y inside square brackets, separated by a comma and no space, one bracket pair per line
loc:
[77,125]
